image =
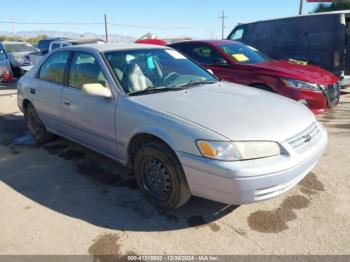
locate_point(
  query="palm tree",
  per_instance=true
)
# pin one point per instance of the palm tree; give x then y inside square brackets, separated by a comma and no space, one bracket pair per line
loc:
[335,6]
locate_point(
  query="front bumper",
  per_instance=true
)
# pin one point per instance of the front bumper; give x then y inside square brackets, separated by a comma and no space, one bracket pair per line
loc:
[345,81]
[250,181]
[317,101]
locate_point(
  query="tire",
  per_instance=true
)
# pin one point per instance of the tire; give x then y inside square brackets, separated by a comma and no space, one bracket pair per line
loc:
[35,126]
[264,87]
[160,176]
[16,71]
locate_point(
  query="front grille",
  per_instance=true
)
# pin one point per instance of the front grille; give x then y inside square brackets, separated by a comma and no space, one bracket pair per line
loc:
[305,139]
[332,93]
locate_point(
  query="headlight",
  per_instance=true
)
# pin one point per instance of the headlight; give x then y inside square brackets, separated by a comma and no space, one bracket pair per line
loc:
[300,84]
[235,151]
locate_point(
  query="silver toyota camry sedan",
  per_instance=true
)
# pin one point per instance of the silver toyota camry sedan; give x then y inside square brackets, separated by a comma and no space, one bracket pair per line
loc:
[179,129]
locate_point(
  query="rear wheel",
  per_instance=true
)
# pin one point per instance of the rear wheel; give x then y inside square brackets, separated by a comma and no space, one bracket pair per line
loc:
[35,126]
[160,176]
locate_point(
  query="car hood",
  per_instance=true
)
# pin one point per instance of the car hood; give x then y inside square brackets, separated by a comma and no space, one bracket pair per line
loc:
[234,111]
[307,73]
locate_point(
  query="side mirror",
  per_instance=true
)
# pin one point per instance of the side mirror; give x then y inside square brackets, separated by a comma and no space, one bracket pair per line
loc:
[96,89]
[220,62]
[210,71]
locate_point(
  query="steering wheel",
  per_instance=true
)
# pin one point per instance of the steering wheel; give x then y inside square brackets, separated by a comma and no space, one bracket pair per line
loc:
[170,78]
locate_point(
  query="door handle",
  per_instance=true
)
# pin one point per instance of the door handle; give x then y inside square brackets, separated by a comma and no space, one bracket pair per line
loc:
[67,103]
[32,91]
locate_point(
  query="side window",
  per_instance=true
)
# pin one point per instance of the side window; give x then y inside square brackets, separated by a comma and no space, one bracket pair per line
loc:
[203,54]
[84,69]
[237,34]
[55,46]
[53,68]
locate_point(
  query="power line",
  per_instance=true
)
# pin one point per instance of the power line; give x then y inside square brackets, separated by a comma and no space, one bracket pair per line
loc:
[101,23]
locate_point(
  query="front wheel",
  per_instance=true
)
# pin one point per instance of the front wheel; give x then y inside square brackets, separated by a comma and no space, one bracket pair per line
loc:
[160,176]
[35,126]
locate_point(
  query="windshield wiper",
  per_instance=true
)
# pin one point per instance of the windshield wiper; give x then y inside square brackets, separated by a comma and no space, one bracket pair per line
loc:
[195,83]
[152,90]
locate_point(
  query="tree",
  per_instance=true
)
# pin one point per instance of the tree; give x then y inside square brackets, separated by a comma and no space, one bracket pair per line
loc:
[335,6]
[31,40]
[36,39]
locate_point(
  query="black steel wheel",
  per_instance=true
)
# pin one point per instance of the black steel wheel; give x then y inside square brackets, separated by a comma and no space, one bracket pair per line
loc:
[160,176]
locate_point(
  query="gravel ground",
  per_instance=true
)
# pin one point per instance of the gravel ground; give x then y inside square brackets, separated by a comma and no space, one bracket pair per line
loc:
[62,198]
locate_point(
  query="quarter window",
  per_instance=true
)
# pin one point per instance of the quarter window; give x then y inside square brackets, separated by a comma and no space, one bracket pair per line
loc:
[85,70]
[238,34]
[53,68]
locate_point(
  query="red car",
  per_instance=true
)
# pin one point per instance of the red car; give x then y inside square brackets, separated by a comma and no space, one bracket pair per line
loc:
[239,63]
[151,42]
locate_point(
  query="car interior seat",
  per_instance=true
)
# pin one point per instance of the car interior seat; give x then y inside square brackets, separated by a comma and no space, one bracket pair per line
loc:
[135,79]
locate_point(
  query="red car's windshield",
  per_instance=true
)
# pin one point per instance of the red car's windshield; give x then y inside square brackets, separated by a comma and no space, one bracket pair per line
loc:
[244,54]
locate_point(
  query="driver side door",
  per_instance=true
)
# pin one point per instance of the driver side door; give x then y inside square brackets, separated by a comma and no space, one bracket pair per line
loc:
[208,57]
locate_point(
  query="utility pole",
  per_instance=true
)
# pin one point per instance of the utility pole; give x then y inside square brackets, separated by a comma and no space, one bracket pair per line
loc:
[106,29]
[14,28]
[301,7]
[223,17]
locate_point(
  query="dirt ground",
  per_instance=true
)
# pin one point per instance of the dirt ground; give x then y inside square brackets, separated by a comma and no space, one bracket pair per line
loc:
[62,198]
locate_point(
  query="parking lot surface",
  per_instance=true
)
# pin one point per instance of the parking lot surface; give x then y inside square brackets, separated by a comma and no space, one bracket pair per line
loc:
[61,198]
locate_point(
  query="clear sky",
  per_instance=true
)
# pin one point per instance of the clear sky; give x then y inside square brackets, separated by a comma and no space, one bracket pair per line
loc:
[196,18]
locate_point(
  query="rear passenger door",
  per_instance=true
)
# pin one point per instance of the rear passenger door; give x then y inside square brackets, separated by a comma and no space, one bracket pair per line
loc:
[46,87]
[90,120]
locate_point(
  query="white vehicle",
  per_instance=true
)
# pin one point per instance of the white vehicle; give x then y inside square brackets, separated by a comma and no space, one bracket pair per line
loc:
[176,126]
[14,55]
[35,58]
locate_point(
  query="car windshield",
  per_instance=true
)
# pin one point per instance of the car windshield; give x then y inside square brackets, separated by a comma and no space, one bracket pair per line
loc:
[153,70]
[20,47]
[244,54]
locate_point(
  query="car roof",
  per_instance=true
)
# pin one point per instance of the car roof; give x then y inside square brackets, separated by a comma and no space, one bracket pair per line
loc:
[80,41]
[210,42]
[14,42]
[298,16]
[113,47]
[53,38]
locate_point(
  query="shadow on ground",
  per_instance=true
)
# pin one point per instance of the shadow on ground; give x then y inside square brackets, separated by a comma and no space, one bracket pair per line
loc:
[77,182]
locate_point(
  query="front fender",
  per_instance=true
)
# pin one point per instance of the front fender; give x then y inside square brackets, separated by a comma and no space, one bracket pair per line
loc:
[134,118]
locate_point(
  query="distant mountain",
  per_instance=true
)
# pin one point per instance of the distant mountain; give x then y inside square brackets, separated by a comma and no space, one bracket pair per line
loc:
[28,34]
